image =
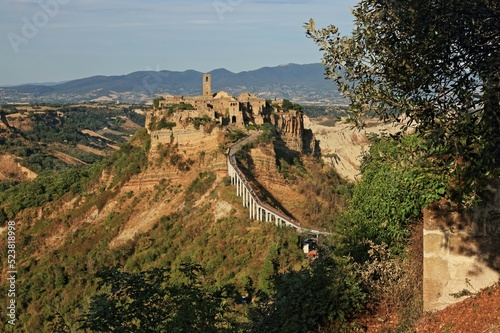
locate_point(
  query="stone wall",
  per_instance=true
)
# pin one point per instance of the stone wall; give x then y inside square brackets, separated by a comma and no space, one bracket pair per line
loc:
[461,252]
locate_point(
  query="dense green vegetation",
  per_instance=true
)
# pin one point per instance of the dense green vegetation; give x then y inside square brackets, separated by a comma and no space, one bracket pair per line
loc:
[49,127]
[200,121]
[155,124]
[149,302]
[397,183]
[48,187]
[164,124]
[38,159]
[59,129]
[267,135]
[434,67]
[236,275]
[326,293]
[287,106]
[131,159]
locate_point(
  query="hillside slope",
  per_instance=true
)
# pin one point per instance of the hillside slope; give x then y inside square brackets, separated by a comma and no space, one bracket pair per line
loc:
[479,313]
[160,208]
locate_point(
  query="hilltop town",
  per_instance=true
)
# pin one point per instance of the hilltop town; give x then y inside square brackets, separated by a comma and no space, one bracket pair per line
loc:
[219,109]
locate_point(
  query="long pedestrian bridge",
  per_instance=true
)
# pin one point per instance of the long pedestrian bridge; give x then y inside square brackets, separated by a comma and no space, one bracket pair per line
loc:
[258,210]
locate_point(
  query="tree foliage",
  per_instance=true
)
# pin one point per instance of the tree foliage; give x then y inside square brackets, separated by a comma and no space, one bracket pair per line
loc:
[48,187]
[163,123]
[302,300]
[148,302]
[132,157]
[432,64]
[156,101]
[267,135]
[397,183]
[287,106]
[66,124]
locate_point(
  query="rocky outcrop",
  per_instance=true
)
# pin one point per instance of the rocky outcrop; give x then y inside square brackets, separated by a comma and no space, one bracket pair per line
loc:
[264,164]
[289,123]
[175,151]
[290,128]
[11,169]
[343,146]
[187,138]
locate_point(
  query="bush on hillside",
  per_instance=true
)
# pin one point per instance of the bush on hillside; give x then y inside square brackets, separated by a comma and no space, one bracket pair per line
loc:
[395,186]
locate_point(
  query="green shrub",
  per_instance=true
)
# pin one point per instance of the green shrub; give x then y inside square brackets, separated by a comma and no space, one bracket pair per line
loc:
[197,121]
[201,184]
[267,135]
[152,301]
[235,135]
[326,291]
[156,101]
[394,188]
[164,124]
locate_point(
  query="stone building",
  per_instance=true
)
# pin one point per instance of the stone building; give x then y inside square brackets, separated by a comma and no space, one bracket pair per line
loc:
[225,109]
[219,106]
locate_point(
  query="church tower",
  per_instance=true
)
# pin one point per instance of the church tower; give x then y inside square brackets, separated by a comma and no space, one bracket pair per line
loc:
[207,85]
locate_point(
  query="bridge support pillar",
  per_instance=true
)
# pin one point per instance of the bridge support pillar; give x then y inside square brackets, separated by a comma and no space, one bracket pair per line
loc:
[244,196]
[252,207]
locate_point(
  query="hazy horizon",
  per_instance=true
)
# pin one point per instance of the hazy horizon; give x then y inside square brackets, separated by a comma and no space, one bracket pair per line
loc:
[48,83]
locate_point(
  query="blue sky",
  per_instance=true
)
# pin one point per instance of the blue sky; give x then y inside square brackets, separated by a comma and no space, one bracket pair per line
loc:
[58,40]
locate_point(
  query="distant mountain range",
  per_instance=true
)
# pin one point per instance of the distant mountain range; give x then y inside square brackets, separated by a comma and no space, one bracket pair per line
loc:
[303,83]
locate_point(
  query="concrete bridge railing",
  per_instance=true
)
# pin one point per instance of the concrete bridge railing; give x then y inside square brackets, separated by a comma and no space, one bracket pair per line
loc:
[258,210]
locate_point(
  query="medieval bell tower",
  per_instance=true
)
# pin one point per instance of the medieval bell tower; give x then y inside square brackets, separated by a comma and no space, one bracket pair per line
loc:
[207,85]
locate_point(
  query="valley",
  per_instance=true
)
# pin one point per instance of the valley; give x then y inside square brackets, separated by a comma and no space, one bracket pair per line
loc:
[89,200]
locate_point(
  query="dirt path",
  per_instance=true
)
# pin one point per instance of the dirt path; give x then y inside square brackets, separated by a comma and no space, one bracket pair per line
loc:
[67,158]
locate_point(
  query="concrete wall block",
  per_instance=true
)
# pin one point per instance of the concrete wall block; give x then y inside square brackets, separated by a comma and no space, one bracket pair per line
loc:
[434,243]
[461,252]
